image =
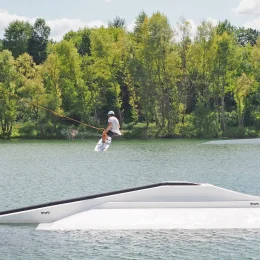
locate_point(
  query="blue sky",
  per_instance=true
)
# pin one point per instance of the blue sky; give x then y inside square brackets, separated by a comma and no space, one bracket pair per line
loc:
[65,15]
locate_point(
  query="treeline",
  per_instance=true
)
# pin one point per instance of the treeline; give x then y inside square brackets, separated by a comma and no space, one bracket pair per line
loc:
[157,78]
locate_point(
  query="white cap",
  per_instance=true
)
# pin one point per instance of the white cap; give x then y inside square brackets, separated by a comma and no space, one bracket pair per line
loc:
[110,113]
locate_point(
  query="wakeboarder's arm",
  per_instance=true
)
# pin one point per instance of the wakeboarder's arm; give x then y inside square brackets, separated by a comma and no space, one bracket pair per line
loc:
[108,127]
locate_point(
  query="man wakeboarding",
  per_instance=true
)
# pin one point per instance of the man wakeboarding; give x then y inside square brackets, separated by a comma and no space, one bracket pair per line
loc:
[113,127]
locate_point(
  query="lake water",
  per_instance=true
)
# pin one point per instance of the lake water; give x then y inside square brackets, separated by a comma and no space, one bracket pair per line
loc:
[35,172]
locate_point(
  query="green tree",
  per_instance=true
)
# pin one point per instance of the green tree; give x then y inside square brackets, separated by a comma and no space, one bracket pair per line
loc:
[225,27]
[50,72]
[154,66]
[108,48]
[140,25]
[255,57]
[159,47]
[81,40]
[199,67]
[243,60]
[30,86]
[200,72]
[243,87]
[138,87]
[1,45]
[117,22]
[37,43]
[201,59]
[205,120]
[16,37]
[247,36]
[223,72]
[141,70]
[8,103]
[74,92]
[255,97]
[184,51]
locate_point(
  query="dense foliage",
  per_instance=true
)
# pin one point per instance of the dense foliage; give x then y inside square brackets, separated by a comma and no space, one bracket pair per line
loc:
[159,80]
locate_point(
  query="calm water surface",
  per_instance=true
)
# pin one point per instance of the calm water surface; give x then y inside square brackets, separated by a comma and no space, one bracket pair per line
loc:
[33,172]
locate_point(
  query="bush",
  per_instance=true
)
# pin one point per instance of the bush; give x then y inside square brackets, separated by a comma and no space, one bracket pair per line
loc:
[187,129]
[256,118]
[232,118]
[243,132]
[140,130]
[205,120]
[28,129]
[129,126]
[135,130]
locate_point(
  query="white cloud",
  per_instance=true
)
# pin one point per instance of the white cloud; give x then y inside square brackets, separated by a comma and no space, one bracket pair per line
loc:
[108,1]
[249,7]
[58,27]
[254,24]
[213,21]
[61,26]
[193,28]
[130,27]
[6,18]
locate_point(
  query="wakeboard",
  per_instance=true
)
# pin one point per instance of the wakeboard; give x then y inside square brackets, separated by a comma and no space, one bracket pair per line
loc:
[102,147]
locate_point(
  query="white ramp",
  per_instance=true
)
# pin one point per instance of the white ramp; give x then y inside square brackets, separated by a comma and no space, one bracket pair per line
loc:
[236,141]
[159,218]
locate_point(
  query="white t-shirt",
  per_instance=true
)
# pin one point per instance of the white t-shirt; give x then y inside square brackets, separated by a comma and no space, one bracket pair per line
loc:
[115,125]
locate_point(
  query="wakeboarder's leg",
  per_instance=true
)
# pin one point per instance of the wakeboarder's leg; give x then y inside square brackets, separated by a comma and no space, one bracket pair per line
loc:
[104,136]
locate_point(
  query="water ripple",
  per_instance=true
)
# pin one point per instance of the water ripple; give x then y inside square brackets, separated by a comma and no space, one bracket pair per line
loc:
[35,172]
